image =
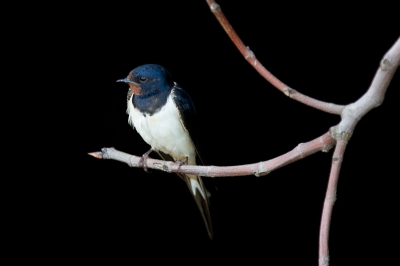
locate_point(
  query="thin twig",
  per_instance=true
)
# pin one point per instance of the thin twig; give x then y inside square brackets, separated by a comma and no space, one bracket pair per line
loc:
[251,58]
[330,199]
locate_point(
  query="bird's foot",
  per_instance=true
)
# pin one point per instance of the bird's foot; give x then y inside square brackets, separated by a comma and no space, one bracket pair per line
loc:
[143,160]
[185,162]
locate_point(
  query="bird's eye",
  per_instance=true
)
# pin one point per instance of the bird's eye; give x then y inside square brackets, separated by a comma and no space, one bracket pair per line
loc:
[142,79]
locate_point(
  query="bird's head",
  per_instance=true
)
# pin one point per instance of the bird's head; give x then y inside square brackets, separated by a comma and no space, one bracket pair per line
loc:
[148,79]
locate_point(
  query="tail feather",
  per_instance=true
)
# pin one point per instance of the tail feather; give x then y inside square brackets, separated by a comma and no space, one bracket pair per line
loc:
[201,199]
[195,183]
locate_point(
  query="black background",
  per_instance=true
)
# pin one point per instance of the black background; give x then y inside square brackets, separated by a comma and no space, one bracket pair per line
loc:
[98,210]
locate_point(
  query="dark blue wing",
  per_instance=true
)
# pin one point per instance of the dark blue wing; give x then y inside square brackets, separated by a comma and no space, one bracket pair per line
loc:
[188,120]
[188,116]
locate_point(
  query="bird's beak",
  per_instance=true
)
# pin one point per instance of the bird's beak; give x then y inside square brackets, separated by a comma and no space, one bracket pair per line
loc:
[135,87]
[126,80]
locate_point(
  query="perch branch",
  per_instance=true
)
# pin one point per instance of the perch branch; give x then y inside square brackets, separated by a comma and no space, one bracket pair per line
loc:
[251,58]
[322,143]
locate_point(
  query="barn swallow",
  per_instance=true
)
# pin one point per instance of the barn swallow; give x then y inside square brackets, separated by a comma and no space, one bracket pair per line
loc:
[164,116]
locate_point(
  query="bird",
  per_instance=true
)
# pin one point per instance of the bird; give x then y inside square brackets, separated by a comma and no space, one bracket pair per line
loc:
[165,117]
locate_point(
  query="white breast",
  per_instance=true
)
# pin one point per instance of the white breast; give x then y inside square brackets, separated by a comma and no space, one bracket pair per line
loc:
[163,131]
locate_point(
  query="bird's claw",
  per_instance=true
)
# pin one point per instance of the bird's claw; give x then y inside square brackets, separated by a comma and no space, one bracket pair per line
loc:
[143,161]
[185,162]
[143,164]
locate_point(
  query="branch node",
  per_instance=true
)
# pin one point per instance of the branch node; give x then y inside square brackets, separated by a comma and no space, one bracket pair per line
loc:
[288,92]
[378,101]
[337,159]
[324,260]
[300,150]
[344,135]
[260,171]
[326,148]
[209,169]
[385,64]
[162,167]
[215,8]
[130,162]
[249,53]
[333,198]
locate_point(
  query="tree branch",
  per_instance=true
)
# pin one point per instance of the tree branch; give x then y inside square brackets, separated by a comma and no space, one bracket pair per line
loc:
[352,113]
[322,143]
[251,58]
[339,134]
